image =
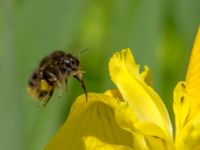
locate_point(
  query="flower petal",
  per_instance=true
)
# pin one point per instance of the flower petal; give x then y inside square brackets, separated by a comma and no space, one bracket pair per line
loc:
[94,118]
[146,135]
[147,76]
[188,137]
[180,105]
[135,89]
[193,77]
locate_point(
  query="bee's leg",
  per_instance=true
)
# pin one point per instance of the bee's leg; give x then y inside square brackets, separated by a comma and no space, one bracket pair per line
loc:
[54,80]
[79,78]
[65,85]
[48,98]
[59,85]
[43,102]
[43,96]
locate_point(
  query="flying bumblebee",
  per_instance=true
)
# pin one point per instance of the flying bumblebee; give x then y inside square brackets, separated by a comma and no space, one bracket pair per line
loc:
[52,72]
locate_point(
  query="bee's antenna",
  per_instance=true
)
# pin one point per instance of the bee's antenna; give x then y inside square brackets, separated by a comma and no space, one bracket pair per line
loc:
[82,51]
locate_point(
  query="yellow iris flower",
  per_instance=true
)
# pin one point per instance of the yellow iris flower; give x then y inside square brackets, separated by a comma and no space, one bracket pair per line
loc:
[133,116]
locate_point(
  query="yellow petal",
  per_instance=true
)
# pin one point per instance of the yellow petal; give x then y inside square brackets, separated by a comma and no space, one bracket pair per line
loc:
[181,106]
[135,89]
[188,137]
[147,76]
[94,118]
[146,135]
[193,77]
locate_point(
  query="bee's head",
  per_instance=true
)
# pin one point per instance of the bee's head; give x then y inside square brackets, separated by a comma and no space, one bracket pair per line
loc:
[70,64]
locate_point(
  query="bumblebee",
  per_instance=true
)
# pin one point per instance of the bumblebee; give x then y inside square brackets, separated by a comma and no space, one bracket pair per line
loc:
[52,72]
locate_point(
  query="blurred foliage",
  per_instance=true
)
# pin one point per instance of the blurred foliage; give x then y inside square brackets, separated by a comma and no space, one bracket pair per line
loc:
[160,33]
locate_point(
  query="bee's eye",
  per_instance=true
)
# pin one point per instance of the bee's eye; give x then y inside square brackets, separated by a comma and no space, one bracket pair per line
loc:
[72,61]
[66,61]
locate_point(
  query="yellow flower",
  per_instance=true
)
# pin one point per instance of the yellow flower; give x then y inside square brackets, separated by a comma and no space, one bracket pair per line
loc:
[133,116]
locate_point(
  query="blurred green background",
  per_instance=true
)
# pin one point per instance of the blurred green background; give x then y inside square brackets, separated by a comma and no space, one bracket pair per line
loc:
[159,32]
